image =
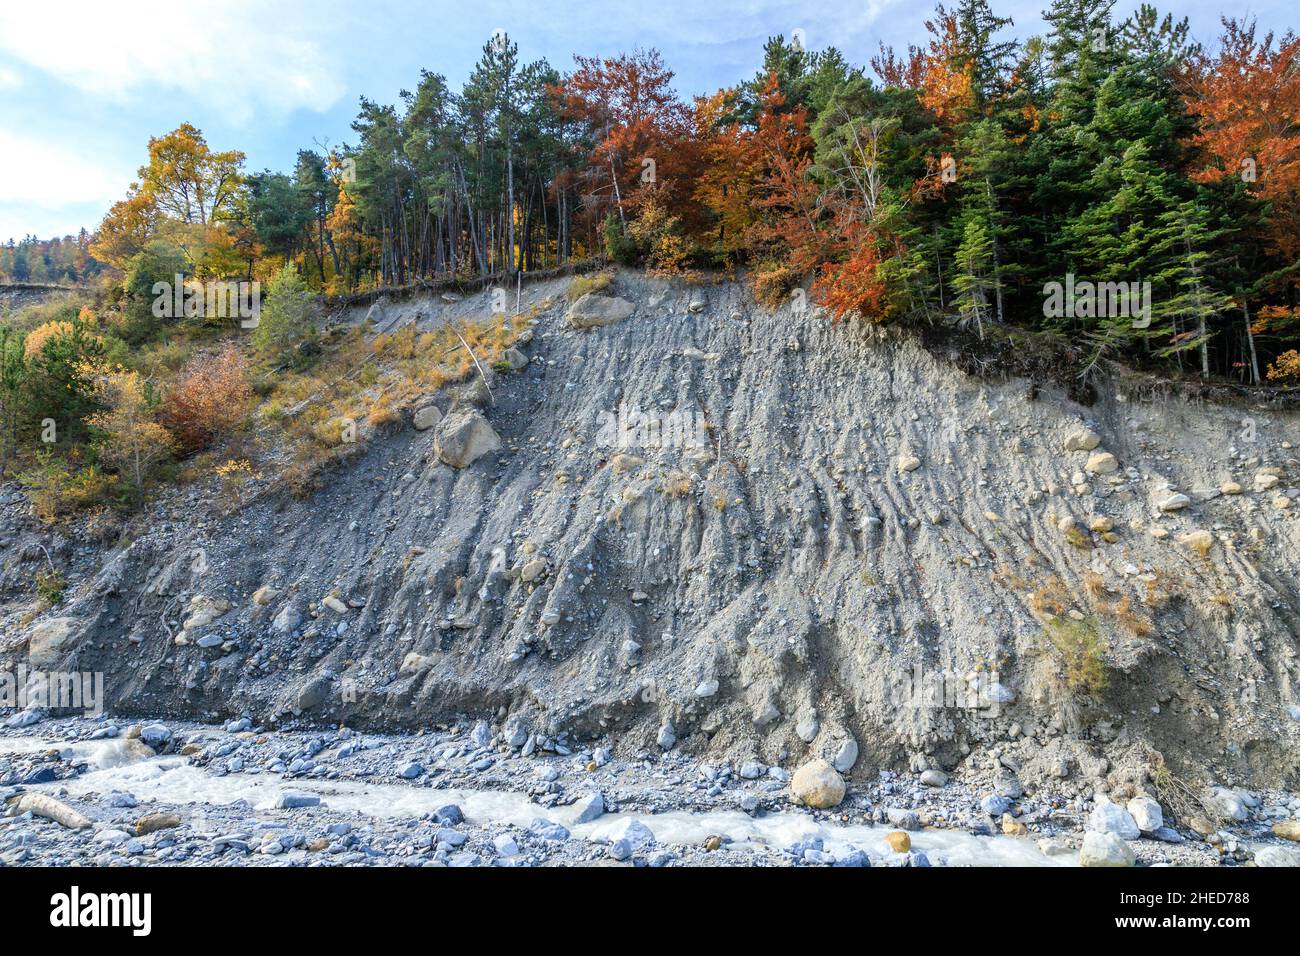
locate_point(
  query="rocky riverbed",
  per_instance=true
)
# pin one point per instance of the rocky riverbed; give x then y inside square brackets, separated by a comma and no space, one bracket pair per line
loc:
[108,792]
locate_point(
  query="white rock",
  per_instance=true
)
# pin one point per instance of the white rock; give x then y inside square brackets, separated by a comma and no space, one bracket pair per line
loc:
[1110,817]
[1105,849]
[1146,813]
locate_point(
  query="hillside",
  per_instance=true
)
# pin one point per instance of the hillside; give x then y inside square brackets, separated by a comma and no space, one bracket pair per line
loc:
[856,509]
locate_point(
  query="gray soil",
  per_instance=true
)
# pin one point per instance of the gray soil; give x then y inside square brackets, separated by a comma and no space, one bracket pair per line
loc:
[761,596]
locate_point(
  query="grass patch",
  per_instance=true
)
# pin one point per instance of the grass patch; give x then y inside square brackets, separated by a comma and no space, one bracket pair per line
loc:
[592,282]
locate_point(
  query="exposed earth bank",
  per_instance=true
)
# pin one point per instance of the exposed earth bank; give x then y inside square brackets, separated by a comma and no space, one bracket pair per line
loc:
[810,528]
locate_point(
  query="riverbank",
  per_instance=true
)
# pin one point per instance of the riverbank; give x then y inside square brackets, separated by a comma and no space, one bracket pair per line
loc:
[186,794]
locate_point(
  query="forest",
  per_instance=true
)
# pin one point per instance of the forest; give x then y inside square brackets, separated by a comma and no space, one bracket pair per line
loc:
[972,182]
[950,181]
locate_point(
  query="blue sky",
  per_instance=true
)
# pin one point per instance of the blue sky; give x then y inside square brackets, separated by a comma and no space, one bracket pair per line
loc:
[85,83]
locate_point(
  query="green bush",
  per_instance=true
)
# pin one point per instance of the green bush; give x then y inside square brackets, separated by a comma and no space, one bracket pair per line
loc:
[285,334]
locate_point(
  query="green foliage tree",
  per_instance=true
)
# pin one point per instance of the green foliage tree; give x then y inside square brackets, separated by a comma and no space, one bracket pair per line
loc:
[285,326]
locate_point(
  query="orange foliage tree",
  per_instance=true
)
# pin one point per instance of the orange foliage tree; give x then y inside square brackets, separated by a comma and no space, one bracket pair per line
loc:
[1247,99]
[209,397]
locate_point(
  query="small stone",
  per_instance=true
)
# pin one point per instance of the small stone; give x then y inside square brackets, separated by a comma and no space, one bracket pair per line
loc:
[898,841]
[1287,830]
[1174,502]
[908,463]
[934,778]
[1101,463]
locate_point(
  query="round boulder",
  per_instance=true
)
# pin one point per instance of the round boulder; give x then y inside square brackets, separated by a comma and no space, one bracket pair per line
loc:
[818,785]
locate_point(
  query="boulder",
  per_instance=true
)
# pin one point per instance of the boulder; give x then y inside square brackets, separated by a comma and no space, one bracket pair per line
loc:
[1105,849]
[314,693]
[414,663]
[592,311]
[1082,439]
[265,595]
[898,841]
[152,822]
[1226,805]
[1174,502]
[1110,817]
[47,641]
[464,437]
[817,784]
[845,756]
[1146,813]
[1287,830]
[426,417]
[1276,856]
[287,621]
[203,610]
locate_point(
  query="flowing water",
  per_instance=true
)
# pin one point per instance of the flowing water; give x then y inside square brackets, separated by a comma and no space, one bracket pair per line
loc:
[169,779]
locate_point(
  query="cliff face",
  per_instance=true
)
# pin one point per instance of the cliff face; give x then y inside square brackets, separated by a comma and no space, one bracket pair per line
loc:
[744,531]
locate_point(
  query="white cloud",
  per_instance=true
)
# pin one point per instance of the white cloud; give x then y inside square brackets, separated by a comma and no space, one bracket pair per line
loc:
[45,174]
[52,188]
[9,79]
[240,56]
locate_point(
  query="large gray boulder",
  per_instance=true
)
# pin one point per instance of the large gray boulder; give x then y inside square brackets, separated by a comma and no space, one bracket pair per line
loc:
[47,641]
[463,437]
[592,311]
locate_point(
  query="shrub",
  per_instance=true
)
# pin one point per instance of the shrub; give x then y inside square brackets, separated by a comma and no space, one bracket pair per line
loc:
[57,488]
[285,324]
[772,283]
[1286,368]
[50,586]
[1079,652]
[619,246]
[209,398]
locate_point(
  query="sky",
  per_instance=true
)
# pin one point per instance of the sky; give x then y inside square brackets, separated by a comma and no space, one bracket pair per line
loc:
[85,83]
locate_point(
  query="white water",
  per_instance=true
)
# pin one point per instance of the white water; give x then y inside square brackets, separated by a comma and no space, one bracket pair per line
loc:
[173,780]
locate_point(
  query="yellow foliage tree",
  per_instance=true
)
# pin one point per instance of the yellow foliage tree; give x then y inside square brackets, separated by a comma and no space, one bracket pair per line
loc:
[130,439]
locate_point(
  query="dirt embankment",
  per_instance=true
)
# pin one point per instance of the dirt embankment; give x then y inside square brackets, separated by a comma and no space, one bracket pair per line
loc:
[741,531]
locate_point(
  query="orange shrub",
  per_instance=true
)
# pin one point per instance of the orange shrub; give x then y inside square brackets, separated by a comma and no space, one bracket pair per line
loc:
[210,396]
